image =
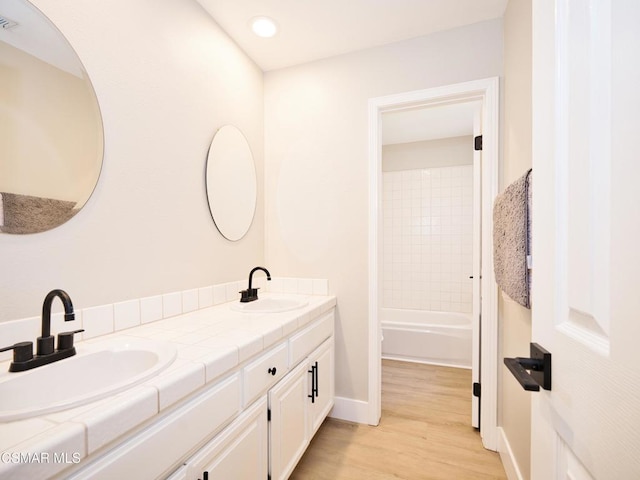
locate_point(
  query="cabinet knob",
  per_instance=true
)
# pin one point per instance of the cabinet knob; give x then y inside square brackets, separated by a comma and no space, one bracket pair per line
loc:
[272,371]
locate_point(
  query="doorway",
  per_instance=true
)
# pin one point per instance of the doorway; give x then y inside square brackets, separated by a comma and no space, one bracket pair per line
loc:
[481,96]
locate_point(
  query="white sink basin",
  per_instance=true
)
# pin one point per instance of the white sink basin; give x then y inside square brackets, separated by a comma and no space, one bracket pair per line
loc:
[270,305]
[96,371]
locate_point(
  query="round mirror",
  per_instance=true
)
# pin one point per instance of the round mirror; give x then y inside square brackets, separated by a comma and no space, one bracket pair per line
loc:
[231,183]
[51,133]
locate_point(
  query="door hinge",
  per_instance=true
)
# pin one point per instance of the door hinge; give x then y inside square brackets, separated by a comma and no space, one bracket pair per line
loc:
[268,414]
[477,142]
[476,389]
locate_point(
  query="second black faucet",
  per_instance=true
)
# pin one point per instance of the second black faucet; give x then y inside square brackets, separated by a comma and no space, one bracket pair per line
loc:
[251,294]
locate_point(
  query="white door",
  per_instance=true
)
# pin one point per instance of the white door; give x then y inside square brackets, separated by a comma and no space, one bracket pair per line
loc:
[586,238]
[477,268]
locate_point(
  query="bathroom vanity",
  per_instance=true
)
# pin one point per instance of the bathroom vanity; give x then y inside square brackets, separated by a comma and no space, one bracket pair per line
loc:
[242,400]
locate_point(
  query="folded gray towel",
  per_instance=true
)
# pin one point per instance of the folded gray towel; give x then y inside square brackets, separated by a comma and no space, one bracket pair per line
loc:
[512,239]
[27,214]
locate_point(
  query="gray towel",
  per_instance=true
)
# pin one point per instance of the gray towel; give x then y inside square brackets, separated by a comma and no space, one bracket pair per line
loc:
[27,214]
[512,240]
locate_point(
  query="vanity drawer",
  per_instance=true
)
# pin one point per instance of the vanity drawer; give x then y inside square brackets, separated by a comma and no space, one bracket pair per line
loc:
[264,372]
[303,343]
[154,452]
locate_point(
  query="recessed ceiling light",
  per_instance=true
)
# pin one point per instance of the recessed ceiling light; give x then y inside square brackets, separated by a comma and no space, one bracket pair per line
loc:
[264,27]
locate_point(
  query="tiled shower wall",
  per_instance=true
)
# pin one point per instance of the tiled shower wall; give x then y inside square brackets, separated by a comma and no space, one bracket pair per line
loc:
[427,239]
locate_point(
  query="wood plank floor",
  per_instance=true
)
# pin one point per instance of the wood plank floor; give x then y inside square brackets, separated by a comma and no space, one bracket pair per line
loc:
[424,433]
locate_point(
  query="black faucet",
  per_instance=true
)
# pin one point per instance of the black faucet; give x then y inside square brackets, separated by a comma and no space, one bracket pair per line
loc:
[23,358]
[251,294]
[45,341]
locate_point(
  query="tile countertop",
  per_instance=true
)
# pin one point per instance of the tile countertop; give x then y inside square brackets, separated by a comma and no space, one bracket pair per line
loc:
[210,342]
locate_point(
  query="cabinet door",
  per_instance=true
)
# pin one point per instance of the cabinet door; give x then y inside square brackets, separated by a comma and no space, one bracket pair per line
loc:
[238,453]
[179,474]
[289,427]
[322,364]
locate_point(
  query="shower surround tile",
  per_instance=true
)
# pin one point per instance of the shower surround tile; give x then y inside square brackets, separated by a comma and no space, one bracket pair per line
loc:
[428,239]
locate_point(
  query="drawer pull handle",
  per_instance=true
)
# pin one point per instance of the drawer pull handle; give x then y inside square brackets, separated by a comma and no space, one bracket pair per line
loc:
[272,371]
[314,382]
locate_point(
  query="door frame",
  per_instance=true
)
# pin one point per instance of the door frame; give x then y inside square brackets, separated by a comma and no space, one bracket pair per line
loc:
[487,92]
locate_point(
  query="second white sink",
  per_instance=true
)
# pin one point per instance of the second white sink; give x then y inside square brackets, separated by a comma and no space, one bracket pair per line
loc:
[270,305]
[96,371]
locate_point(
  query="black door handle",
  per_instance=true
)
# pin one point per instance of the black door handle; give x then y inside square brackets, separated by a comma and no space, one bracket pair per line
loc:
[539,366]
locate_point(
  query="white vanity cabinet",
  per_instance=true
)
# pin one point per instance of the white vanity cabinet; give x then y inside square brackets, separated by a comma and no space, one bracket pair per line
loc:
[153,451]
[298,405]
[287,391]
[254,423]
[239,452]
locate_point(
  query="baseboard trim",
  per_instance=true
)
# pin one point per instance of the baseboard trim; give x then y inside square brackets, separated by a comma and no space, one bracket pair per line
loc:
[508,459]
[356,411]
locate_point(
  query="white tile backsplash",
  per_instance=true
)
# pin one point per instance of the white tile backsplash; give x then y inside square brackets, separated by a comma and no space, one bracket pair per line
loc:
[58,324]
[150,309]
[205,297]
[190,300]
[219,294]
[97,321]
[232,291]
[105,319]
[259,281]
[290,285]
[305,286]
[171,304]
[16,331]
[126,314]
[275,285]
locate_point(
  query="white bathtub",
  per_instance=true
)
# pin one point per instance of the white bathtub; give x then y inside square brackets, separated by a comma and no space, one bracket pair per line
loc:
[438,338]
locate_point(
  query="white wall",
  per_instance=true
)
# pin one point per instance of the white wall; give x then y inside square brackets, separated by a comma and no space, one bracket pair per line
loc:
[515,321]
[443,152]
[316,164]
[166,78]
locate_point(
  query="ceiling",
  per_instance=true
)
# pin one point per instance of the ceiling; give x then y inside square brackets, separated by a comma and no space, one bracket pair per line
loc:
[428,123]
[312,29]
[37,36]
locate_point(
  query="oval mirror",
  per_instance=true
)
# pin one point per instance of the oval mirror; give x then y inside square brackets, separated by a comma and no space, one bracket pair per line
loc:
[231,183]
[51,136]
